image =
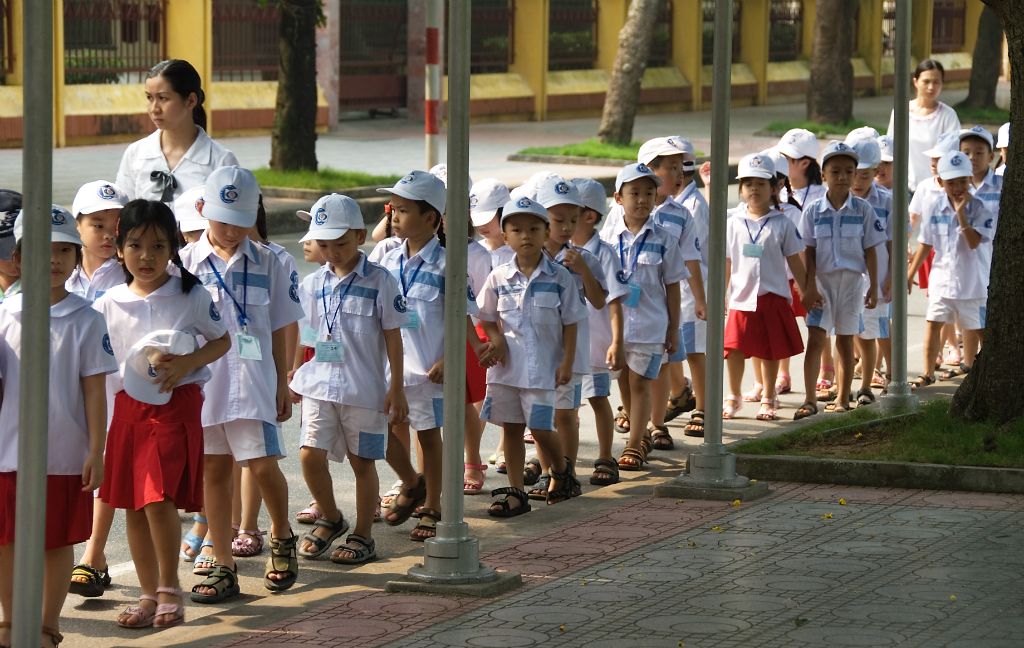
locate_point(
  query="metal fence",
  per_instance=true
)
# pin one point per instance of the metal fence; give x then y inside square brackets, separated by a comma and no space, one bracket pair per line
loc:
[492,37]
[572,35]
[661,38]
[112,41]
[948,26]
[889,28]
[372,55]
[786,27]
[245,40]
[708,40]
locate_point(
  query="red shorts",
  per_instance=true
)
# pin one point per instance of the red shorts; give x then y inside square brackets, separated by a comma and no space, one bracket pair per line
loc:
[155,452]
[797,306]
[68,510]
[769,333]
[925,270]
[476,376]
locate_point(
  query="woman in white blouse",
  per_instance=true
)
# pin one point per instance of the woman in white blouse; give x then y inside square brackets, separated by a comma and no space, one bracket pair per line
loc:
[179,154]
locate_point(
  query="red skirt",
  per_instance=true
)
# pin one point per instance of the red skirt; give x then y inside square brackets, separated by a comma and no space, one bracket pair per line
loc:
[769,333]
[68,510]
[925,270]
[476,376]
[155,452]
[796,306]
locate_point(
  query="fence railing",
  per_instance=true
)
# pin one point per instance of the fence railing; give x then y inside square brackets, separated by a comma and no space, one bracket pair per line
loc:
[112,41]
[786,27]
[708,39]
[245,40]
[572,35]
[661,38]
[373,54]
[492,38]
[948,26]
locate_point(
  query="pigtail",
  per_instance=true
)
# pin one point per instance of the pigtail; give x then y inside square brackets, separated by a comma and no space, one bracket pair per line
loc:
[813,172]
[774,182]
[188,280]
[790,198]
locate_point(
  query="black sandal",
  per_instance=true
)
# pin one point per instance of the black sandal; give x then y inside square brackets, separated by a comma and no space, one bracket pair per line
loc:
[922,381]
[606,473]
[865,397]
[661,439]
[320,545]
[434,516]
[540,490]
[532,472]
[282,560]
[415,496]
[695,428]
[568,485]
[362,550]
[632,459]
[805,410]
[99,580]
[223,580]
[501,508]
[678,405]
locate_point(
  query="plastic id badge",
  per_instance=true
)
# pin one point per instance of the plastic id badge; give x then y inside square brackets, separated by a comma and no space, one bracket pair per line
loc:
[412,320]
[307,337]
[329,351]
[633,299]
[248,347]
[753,250]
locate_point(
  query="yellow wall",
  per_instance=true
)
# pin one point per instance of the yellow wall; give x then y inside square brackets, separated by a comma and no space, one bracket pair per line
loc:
[687,31]
[531,50]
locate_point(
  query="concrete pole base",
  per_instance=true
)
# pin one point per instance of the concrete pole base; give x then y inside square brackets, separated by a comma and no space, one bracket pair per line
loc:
[712,475]
[900,401]
[485,583]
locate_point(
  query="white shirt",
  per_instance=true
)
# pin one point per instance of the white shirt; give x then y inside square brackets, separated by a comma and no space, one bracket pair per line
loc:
[840,236]
[383,247]
[501,256]
[924,133]
[989,192]
[79,347]
[752,276]
[671,215]
[581,363]
[791,212]
[650,259]
[880,200]
[478,265]
[1001,170]
[108,275]
[804,196]
[145,156]
[693,200]
[958,272]
[532,312]
[353,310]
[244,389]
[288,261]
[600,322]
[130,317]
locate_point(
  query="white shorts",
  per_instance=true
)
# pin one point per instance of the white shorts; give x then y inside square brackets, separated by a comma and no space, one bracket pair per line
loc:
[570,395]
[645,359]
[534,408]
[693,338]
[426,406]
[844,303]
[969,313]
[343,429]
[876,323]
[244,439]
[598,384]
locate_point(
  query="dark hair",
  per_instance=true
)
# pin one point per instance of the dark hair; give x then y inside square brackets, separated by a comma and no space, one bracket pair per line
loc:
[930,64]
[790,198]
[145,214]
[426,208]
[185,81]
[813,172]
[261,221]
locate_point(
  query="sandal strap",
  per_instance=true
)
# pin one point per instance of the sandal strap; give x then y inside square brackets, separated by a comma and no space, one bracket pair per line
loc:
[513,491]
[480,467]
[369,543]
[429,513]
[221,575]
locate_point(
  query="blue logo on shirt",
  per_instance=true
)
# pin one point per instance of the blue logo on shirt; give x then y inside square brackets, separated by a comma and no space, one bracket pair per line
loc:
[229,193]
[620,276]
[106,344]
[988,224]
[469,293]
[878,226]
[401,305]
[151,370]
[293,291]
[214,314]
[696,244]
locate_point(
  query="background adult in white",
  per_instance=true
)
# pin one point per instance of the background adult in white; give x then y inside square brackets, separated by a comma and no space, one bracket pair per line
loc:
[929,118]
[179,154]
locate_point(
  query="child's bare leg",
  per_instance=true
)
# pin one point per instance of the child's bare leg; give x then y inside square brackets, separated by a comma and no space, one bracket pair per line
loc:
[57,565]
[816,341]
[549,443]
[659,396]
[769,372]
[474,432]
[567,423]
[367,489]
[252,500]
[932,346]
[316,472]
[698,364]
[784,370]
[7,590]
[94,556]
[430,445]
[735,361]
[972,342]
[884,356]
[165,536]
[140,545]
[827,366]
[676,378]
[274,486]
[604,420]
[639,407]
[217,486]
[398,456]
[515,453]
[758,377]
[236,495]
[844,348]
[868,350]
[624,389]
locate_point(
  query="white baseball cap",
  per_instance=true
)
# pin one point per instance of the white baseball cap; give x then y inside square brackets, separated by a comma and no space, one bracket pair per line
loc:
[98,195]
[632,172]
[231,195]
[186,210]
[798,143]
[440,171]
[524,205]
[486,197]
[778,160]
[659,147]
[556,191]
[947,142]
[63,226]
[864,132]
[885,147]
[836,148]
[592,194]
[1003,141]
[421,185]
[331,216]
[980,132]
[524,190]
[954,164]
[756,165]
[141,379]
[869,154]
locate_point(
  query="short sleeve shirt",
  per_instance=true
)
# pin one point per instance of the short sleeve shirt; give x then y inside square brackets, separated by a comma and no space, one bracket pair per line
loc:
[582,362]
[600,323]
[958,272]
[108,275]
[145,156]
[752,275]
[840,236]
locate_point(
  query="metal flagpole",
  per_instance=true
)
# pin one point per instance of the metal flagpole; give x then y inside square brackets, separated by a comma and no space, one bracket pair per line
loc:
[37,156]
[711,470]
[432,94]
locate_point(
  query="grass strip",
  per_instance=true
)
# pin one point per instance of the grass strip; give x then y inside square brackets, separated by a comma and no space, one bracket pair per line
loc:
[779,128]
[324,179]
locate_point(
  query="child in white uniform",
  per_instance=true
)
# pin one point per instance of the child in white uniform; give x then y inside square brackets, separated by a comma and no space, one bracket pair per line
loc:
[987,186]
[96,207]
[1003,144]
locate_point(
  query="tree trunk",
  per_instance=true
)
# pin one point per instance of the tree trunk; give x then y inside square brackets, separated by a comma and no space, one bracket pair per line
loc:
[986,62]
[620,102]
[830,93]
[991,391]
[293,139]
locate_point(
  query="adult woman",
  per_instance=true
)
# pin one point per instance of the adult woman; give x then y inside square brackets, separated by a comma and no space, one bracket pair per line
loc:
[179,154]
[929,118]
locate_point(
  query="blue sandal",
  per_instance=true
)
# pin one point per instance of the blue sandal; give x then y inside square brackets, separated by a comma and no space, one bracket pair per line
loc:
[192,542]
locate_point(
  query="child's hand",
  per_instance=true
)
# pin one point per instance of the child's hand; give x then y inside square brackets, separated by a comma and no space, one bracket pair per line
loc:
[615,358]
[497,353]
[284,402]
[395,405]
[485,355]
[871,299]
[672,340]
[910,282]
[811,299]
[887,289]
[701,309]
[173,369]
[436,373]
[573,260]
[296,398]
[564,373]
[705,174]
[92,472]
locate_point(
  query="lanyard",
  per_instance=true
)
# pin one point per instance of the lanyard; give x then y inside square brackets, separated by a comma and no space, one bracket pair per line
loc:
[622,255]
[243,319]
[753,238]
[401,274]
[341,300]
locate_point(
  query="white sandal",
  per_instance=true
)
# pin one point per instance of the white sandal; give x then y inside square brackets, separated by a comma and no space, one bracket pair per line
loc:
[730,411]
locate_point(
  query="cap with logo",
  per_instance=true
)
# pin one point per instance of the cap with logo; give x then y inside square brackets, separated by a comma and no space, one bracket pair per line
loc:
[632,172]
[659,147]
[524,205]
[331,216]
[63,226]
[1003,139]
[486,197]
[231,195]
[556,191]
[186,210]
[836,149]
[98,195]
[592,194]
[947,142]
[755,166]
[869,155]
[420,185]
[885,146]
[141,379]
[779,160]
[980,132]
[798,143]
[954,164]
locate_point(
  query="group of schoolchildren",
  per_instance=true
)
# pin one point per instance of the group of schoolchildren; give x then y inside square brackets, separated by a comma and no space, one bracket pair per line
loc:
[181,340]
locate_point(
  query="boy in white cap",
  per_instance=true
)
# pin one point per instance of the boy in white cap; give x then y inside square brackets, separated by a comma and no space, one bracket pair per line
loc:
[1003,145]
[883,175]
[529,308]
[96,207]
[247,397]
[987,186]
[652,267]
[840,231]
[955,225]
[356,311]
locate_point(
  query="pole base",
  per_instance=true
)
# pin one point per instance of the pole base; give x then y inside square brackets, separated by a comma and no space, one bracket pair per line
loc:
[485,583]
[711,475]
[900,400]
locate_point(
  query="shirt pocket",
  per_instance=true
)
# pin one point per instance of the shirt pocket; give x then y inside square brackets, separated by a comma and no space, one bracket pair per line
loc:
[509,311]
[257,307]
[426,299]
[822,231]
[546,309]
[851,240]
[359,315]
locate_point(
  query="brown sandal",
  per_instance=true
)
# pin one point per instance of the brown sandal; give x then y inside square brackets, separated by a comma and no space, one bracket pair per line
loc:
[661,439]
[632,460]
[398,513]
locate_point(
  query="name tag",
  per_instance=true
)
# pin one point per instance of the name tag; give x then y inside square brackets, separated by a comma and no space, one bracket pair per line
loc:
[329,351]
[307,336]
[248,347]
[633,299]
[753,250]
[412,320]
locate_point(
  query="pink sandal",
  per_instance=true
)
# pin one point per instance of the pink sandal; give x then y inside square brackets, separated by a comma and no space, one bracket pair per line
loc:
[730,411]
[310,514]
[143,617]
[768,411]
[754,394]
[784,384]
[247,543]
[163,609]
[474,486]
